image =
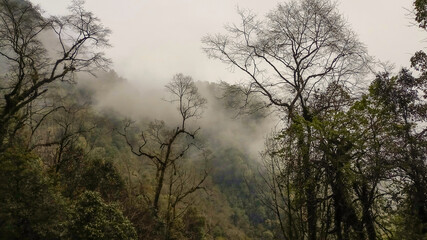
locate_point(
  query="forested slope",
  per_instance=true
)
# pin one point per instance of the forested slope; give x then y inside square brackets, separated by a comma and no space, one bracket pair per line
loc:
[303,150]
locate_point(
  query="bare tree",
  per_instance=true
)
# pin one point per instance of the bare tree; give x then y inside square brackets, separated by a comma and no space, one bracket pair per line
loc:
[301,48]
[166,147]
[277,188]
[30,67]
[182,183]
[61,134]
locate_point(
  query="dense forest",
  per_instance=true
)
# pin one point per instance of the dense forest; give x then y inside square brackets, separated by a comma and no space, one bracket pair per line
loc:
[319,142]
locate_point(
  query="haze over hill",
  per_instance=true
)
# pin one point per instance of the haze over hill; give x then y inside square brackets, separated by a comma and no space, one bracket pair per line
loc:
[310,136]
[115,95]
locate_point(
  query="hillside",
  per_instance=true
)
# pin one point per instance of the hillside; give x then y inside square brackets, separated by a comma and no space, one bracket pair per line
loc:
[318,141]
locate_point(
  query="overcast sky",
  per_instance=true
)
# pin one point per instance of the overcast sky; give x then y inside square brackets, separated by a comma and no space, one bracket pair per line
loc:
[154,39]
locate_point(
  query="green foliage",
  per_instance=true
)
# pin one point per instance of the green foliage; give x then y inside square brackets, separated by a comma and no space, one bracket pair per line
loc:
[31,206]
[421,12]
[95,219]
[194,224]
[102,176]
[235,180]
[406,226]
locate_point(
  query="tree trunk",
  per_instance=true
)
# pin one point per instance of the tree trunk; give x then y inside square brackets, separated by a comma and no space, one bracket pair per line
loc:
[159,187]
[366,215]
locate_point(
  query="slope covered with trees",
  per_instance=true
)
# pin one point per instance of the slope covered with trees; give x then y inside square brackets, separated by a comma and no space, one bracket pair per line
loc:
[347,159]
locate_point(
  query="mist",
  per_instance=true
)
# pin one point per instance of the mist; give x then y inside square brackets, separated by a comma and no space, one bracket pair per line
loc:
[113,95]
[152,40]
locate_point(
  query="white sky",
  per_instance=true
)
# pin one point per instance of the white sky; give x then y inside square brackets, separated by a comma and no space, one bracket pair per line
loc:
[154,39]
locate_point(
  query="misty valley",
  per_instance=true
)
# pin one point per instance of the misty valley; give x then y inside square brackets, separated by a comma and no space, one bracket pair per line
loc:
[314,139]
